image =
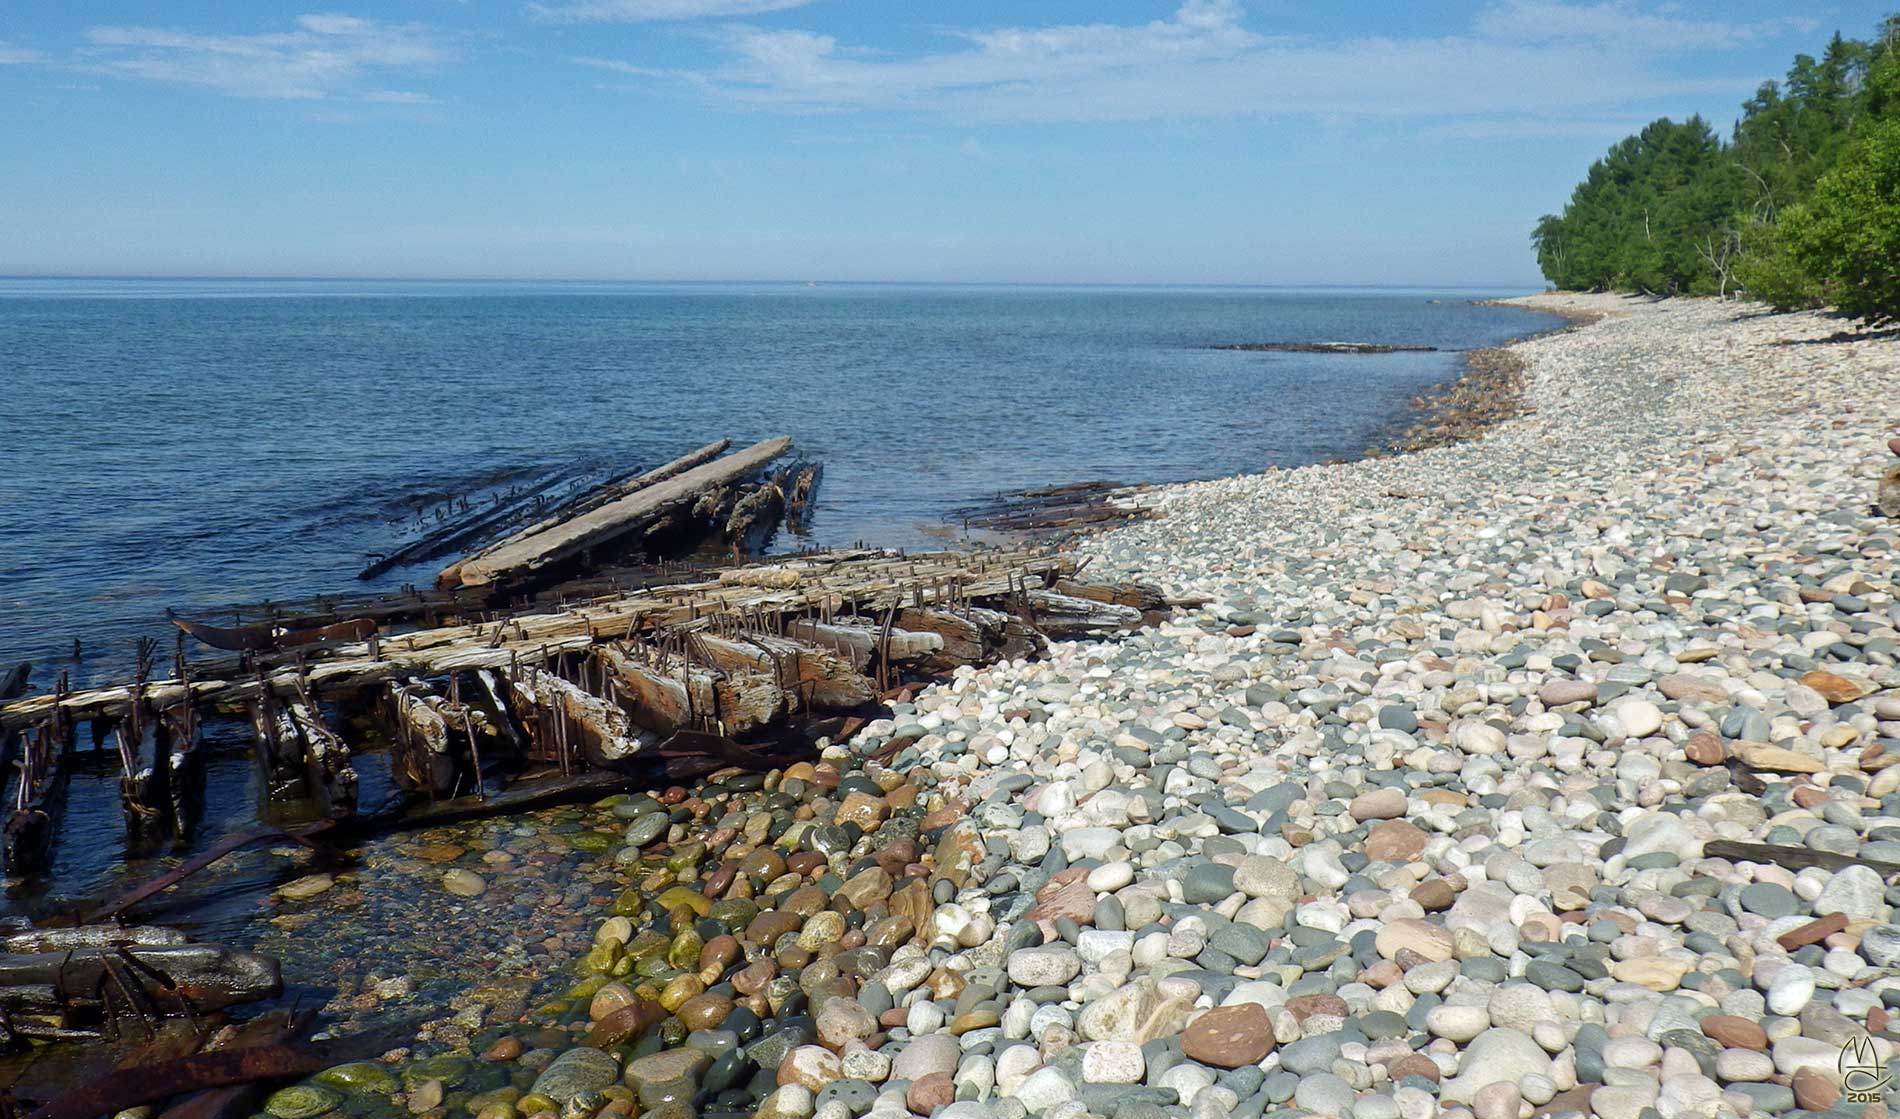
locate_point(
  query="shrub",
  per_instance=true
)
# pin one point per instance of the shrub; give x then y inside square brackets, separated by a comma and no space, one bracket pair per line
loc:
[1769,272]
[1847,234]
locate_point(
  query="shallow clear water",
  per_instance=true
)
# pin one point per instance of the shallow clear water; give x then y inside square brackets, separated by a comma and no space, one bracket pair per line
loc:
[193,444]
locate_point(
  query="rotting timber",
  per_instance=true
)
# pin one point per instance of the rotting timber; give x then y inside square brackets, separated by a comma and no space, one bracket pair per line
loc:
[704,503]
[637,685]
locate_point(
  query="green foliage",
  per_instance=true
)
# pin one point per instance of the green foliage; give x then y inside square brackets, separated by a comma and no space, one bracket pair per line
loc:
[1848,232]
[1798,206]
[1768,271]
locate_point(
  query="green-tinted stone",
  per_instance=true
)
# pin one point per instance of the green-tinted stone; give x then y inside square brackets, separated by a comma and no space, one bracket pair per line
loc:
[683,896]
[684,954]
[601,958]
[359,1077]
[451,1071]
[648,944]
[302,1101]
[735,912]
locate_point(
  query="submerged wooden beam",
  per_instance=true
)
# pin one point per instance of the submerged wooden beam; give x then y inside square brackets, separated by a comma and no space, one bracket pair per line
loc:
[521,555]
[611,492]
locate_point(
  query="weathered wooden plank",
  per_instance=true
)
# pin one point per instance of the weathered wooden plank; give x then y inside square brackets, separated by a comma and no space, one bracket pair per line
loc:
[667,693]
[603,524]
[600,732]
[962,637]
[861,640]
[589,502]
[815,679]
[1138,595]
[1068,616]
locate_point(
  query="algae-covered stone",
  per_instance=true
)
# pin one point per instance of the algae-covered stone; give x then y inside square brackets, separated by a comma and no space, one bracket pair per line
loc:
[302,1101]
[451,1071]
[359,1077]
[575,1071]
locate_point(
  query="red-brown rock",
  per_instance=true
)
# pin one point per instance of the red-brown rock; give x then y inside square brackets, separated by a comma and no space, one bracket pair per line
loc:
[1735,1033]
[1229,1036]
[928,1093]
[1395,841]
[1813,1090]
[1413,1064]
[1434,895]
[1704,748]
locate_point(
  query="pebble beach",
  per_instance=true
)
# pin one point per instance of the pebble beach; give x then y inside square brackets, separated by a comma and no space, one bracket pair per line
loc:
[1421,810]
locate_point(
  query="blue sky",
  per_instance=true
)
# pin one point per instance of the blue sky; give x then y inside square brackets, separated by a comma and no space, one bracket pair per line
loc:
[1211,141]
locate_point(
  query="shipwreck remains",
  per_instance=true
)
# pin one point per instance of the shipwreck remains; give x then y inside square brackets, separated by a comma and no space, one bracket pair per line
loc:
[58,984]
[482,710]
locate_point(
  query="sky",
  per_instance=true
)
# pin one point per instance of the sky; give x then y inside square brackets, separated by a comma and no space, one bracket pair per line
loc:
[1182,141]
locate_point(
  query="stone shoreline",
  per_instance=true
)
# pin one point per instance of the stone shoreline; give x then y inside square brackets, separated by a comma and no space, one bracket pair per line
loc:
[1488,391]
[1413,818]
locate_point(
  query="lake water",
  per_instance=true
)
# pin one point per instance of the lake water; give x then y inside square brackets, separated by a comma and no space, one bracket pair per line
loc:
[195,444]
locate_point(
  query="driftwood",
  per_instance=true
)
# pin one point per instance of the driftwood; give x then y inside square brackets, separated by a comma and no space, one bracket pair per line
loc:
[234,1101]
[329,776]
[1792,858]
[521,555]
[1069,616]
[860,640]
[665,693]
[39,791]
[423,728]
[567,724]
[279,745]
[89,936]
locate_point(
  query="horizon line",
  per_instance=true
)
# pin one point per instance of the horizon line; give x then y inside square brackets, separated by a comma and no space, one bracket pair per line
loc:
[812,281]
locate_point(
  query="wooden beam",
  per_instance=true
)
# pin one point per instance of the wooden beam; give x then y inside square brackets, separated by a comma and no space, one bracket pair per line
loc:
[667,693]
[523,554]
[859,640]
[611,492]
[816,679]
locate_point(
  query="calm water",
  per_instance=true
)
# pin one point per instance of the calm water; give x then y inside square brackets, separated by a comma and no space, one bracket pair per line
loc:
[193,444]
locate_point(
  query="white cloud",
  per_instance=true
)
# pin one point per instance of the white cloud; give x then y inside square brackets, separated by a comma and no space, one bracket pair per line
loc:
[11,55]
[1204,63]
[1623,23]
[641,11]
[323,57]
[399,97]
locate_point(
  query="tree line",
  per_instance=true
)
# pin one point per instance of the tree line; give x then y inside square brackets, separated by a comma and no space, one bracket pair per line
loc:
[1799,207]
